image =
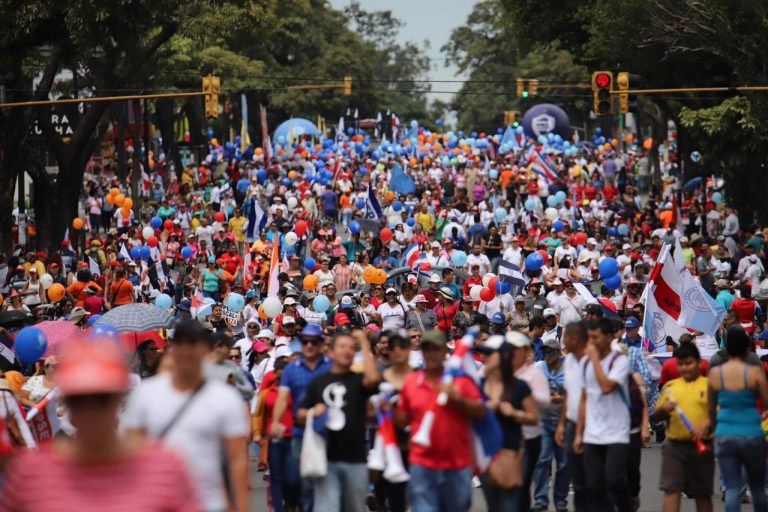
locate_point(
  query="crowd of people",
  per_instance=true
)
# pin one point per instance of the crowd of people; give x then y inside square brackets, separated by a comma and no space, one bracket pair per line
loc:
[355,324]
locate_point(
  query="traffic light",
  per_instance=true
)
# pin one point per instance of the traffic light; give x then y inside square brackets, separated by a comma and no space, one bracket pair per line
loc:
[211,89]
[527,87]
[602,83]
[622,83]
[512,117]
[347,86]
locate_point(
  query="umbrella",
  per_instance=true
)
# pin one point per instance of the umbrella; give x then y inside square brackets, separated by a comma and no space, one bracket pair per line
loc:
[131,340]
[57,332]
[692,184]
[9,318]
[137,318]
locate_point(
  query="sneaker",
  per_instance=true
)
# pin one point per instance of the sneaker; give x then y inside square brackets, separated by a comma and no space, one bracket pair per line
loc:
[563,507]
[371,502]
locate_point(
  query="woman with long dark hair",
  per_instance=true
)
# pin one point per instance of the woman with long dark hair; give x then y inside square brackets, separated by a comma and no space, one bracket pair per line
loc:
[147,359]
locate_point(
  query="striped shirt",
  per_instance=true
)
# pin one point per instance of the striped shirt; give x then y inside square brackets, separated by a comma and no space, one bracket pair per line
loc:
[342,276]
[152,479]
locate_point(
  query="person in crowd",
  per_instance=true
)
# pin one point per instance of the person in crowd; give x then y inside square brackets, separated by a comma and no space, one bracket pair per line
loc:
[421,318]
[147,359]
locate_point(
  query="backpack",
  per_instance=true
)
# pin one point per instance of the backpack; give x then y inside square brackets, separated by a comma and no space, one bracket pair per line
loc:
[634,401]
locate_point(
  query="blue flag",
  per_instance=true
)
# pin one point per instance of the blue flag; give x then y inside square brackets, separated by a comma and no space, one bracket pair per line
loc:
[401,182]
[372,207]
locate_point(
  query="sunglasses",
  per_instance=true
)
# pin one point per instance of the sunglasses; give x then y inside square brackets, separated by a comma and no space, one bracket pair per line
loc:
[235,357]
[311,341]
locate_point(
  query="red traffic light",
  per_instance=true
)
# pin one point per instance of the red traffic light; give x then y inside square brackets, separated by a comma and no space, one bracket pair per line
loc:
[603,80]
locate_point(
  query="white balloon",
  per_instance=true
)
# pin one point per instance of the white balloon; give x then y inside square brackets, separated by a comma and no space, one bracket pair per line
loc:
[272,307]
[487,278]
[292,202]
[46,280]
[551,214]
[147,232]
[474,292]
[291,238]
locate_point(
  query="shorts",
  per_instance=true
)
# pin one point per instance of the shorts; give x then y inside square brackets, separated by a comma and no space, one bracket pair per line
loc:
[683,469]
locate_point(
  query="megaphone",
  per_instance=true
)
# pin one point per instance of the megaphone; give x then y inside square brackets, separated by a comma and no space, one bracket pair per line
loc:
[422,436]
[395,471]
[376,456]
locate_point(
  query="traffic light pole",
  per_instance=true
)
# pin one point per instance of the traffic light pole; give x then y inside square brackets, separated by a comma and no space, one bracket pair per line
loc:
[748,88]
[99,99]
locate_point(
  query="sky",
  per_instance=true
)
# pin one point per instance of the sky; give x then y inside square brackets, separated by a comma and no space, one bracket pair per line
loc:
[431,20]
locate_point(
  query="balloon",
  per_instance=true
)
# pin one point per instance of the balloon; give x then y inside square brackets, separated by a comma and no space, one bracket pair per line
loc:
[381,276]
[530,204]
[114,191]
[609,267]
[92,320]
[560,197]
[126,213]
[77,223]
[157,222]
[101,331]
[369,274]
[717,197]
[272,307]
[487,279]
[310,264]
[360,204]
[186,252]
[503,287]
[558,225]
[301,228]
[544,255]
[235,302]
[311,281]
[551,214]
[397,206]
[168,225]
[389,195]
[146,253]
[581,238]
[500,214]
[354,227]
[147,232]
[291,238]
[492,282]
[487,295]
[152,241]
[459,258]
[110,201]
[695,156]
[30,345]
[552,201]
[475,291]
[119,200]
[493,174]
[163,301]
[204,313]
[292,203]
[218,217]
[534,261]
[321,303]
[261,312]
[410,221]
[623,229]
[46,280]
[613,282]
[648,144]
[385,235]
[56,292]
[128,203]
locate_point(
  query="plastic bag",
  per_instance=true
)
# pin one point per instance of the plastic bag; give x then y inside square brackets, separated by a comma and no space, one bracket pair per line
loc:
[313,461]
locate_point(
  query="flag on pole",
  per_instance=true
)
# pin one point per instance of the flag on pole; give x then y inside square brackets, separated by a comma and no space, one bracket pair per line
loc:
[266,143]
[377,128]
[340,129]
[257,220]
[372,207]
[124,253]
[245,139]
[93,266]
[274,269]
[538,164]
[662,302]
[511,273]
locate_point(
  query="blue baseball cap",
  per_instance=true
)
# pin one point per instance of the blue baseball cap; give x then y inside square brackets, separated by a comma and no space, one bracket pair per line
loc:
[311,330]
[498,318]
[631,323]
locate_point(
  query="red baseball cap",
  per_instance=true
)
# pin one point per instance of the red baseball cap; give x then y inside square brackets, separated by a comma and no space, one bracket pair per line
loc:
[341,319]
[608,248]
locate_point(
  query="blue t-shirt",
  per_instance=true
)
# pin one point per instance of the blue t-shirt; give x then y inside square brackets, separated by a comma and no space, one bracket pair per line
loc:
[330,200]
[296,377]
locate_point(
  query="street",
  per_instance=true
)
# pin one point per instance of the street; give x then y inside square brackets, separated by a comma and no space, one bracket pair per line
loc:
[651,497]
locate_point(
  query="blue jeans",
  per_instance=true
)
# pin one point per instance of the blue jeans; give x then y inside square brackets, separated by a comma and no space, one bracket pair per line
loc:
[434,490]
[307,494]
[733,453]
[213,295]
[344,487]
[507,500]
[283,473]
[541,474]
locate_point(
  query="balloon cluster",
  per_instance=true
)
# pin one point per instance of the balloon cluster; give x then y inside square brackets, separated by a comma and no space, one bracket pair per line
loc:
[609,271]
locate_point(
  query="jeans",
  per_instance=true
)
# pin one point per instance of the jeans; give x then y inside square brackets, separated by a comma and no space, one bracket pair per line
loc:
[307,494]
[575,464]
[283,484]
[530,457]
[733,453]
[633,464]
[435,490]
[213,295]
[507,500]
[607,476]
[541,473]
[343,488]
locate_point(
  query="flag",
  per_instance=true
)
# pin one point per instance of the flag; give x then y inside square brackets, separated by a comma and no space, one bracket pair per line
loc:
[266,143]
[93,266]
[356,120]
[124,253]
[198,303]
[340,129]
[585,293]
[699,310]
[257,220]
[284,265]
[662,303]
[538,164]
[401,182]
[274,269]
[511,273]
[245,139]
[510,138]
[372,207]
[377,128]
[411,255]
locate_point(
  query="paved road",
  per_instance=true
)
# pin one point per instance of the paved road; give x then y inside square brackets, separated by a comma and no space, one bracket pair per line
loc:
[650,496]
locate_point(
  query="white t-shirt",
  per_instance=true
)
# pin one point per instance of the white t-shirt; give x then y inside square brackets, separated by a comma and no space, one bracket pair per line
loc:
[216,413]
[539,385]
[313,317]
[481,260]
[573,384]
[569,308]
[205,233]
[514,256]
[392,317]
[607,420]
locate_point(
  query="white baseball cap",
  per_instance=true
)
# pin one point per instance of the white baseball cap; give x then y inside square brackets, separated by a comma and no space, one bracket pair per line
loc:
[549,312]
[266,333]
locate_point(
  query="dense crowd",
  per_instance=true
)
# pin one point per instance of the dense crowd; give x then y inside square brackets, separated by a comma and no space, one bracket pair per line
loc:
[385,328]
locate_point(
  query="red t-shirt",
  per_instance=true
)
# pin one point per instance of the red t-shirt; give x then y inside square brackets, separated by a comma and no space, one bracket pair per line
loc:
[669,370]
[94,305]
[451,436]
[269,387]
[152,480]
[230,262]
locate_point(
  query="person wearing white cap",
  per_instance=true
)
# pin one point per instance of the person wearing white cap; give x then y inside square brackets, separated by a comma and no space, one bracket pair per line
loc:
[421,318]
[251,329]
[556,293]
[391,314]
[565,250]
[624,259]
[590,250]
[432,291]
[435,257]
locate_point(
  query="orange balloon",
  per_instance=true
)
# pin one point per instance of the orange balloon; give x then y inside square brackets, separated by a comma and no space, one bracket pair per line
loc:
[119,200]
[369,273]
[262,314]
[456,151]
[413,161]
[310,282]
[258,151]
[56,292]
[110,199]
[615,143]
[607,146]
[648,144]
[381,276]
[128,203]
[77,223]
[292,175]
[126,212]
[628,138]
[389,195]
[427,161]
[114,191]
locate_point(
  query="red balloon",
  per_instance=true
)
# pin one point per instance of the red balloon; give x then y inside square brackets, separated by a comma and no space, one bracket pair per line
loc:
[487,295]
[386,235]
[492,283]
[581,238]
[187,137]
[218,216]
[152,241]
[300,228]
[544,254]
[168,224]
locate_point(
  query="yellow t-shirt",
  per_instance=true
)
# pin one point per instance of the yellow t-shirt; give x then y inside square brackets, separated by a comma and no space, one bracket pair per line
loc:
[692,399]
[236,227]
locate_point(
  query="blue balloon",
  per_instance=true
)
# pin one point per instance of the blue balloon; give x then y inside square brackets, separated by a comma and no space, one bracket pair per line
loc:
[500,214]
[530,204]
[146,253]
[609,267]
[397,206]
[552,201]
[235,302]
[163,301]
[598,131]
[354,227]
[136,253]
[30,345]
[534,261]
[503,287]
[613,282]
[156,222]
[493,174]
[321,303]
[204,313]
[410,221]
[92,320]
[459,258]
[717,197]
[623,229]
[105,331]
[612,231]
[186,252]
[360,204]
[310,264]
[210,133]
[560,196]
[558,225]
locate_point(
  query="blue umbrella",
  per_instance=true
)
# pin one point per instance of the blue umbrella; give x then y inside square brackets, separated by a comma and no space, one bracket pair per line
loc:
[297,127]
